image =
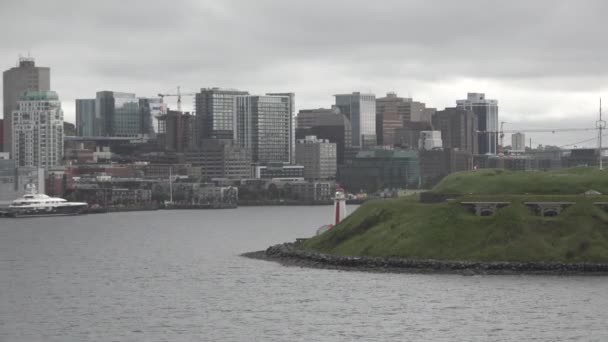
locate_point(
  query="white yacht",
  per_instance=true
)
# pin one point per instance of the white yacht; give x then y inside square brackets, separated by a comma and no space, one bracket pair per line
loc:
[35,204]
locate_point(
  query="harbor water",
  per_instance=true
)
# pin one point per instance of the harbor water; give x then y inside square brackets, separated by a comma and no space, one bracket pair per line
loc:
[176,275]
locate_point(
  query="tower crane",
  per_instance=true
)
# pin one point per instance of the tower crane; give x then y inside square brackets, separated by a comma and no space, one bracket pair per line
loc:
[502,136]
[502,131]
[179,97]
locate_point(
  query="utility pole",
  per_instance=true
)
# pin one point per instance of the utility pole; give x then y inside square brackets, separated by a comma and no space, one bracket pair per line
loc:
[600,124]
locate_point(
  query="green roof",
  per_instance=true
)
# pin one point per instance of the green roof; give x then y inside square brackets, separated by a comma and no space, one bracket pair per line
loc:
[34,95]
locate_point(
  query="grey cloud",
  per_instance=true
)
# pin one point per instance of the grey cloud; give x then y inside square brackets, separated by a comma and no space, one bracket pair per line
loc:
[536,53]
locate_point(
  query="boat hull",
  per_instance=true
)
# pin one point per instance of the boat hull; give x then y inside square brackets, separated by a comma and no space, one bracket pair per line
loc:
[47,211]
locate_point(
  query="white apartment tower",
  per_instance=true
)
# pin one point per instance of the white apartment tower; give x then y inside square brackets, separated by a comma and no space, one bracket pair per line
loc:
[518,142]
[37,127]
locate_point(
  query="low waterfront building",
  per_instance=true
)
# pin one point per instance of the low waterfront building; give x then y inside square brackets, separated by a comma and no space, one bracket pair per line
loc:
[311,191]
[436,164]
[163,171]
[373,170]
[279,170]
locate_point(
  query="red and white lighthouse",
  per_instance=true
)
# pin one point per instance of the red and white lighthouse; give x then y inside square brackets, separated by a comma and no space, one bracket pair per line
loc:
[339,211]
[339,206]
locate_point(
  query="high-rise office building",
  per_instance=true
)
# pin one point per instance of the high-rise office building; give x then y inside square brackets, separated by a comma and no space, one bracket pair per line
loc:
[38,130]
[215,110]
[149,108]
[264,125]
[327,124]
[458,129]
[221,158]
[292,123]
[360,109]
[16,81]
[2,135]
[318,156]
[486,112]
[117,114]
[85,117]
[518,142]
[176,131]
[391,112]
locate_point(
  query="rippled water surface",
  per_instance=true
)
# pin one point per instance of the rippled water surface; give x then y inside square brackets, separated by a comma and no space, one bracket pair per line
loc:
[178,276]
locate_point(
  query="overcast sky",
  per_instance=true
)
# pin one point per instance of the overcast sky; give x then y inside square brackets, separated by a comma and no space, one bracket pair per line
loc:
[546,62]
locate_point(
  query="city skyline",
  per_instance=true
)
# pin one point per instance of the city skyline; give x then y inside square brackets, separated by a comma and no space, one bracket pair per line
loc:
[546,69]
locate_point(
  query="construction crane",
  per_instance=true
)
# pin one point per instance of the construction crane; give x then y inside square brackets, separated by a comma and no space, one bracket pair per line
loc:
[179,97]
[542,130]
[502,136]
[502,131]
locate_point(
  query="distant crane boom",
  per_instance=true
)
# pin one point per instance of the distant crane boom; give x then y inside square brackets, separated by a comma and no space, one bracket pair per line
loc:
[545,130]
[179,97]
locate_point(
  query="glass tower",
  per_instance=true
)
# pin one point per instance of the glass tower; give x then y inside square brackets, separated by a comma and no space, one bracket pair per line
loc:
[360,109]
[215,109]
[85,117]
[117,114]
[264,125]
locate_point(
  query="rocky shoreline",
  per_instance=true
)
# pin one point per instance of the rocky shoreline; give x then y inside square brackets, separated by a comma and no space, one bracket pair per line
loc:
[290,254]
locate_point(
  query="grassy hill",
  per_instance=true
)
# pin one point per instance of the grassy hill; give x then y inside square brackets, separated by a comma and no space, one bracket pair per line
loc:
[447,231]
[495,182]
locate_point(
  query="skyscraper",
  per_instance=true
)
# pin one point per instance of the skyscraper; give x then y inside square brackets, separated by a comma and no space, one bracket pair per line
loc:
[264,125]
[215,109]
[38,130]
[486,112]
[149,108]
[518,142]
[176,131]
[327,124]
[16,81]
[117,114]
[85,117]
[391,112]
[360,109]
[1,135]
[292,123]
[458,129]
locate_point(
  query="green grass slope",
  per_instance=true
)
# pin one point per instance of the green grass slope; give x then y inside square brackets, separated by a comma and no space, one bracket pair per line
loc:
[447,231]
[494,181]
